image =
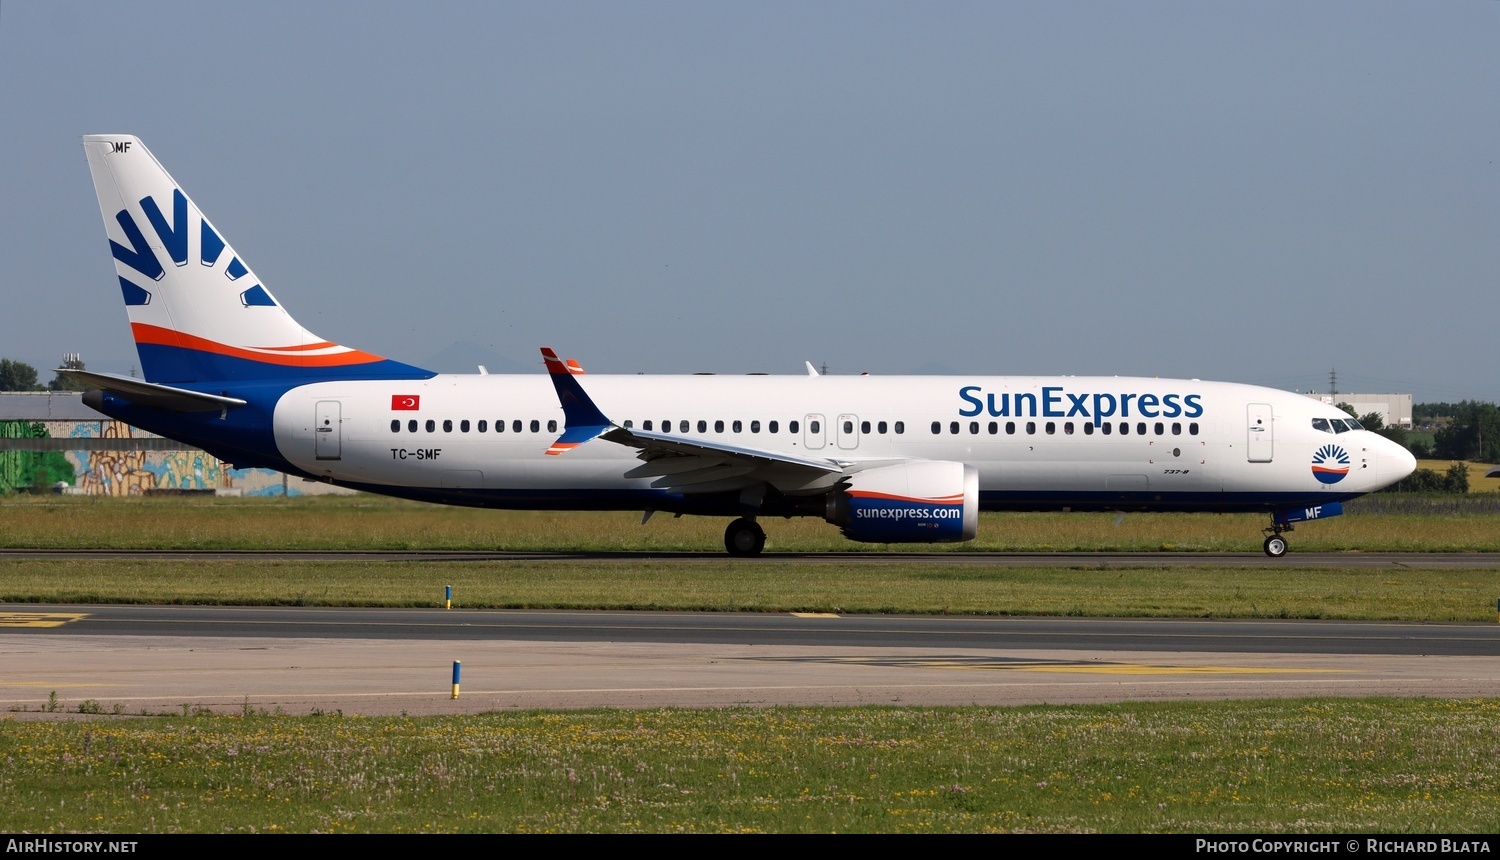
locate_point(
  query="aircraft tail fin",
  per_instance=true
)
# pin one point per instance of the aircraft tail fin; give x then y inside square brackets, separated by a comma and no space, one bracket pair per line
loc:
[197,312]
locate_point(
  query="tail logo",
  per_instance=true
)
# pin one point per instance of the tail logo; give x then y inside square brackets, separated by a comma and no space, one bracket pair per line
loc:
[120,146]
[141,258]
[1330,464]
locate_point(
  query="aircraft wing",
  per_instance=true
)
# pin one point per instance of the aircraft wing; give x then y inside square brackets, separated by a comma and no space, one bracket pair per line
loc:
[688,464]
[685,464]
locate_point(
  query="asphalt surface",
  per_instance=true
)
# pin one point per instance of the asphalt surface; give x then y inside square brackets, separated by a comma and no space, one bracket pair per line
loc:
[164,659]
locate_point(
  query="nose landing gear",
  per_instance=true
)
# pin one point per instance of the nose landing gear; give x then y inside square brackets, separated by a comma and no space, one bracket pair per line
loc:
[1275,545]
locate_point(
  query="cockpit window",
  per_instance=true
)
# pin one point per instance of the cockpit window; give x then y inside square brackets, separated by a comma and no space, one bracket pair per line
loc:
[1336,425]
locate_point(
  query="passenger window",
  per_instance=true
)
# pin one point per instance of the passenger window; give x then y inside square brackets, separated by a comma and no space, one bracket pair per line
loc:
[396,425]
[1140,428]
[1176,428]
[431,426]
[1193,429]
[973,428]
[646,425]
[937,427]
[447,425]
[900,427]
[952,426]
[463,426]
[1124,428]
[1107,428]
[483,425]
[1160,428]
[1010,428]
[1051,428]
[994,427]
[1067,428]
[792,427]
[719,426]
[515,426]
[629,423]
[1030,428]
[1088,428]
[702,426]
[411,426]
[815,426]
[755,426]
[864,426]
[683,426]
[772,427]
[552,426]
[536,426]
[737,426]
[881,428]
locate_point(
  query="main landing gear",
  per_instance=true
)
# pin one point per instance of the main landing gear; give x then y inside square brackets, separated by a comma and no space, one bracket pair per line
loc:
[1275,545]
[744,537]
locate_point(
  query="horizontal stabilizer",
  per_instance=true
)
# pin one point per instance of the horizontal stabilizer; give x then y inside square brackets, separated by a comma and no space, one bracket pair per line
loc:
[150,394]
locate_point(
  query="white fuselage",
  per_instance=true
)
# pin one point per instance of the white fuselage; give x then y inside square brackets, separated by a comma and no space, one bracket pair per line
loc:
[1037,442]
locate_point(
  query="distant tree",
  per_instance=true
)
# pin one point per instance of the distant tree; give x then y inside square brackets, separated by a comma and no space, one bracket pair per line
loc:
[1473,433]
[1456,480]
[1349,409]
[1419,446]
[1420,481]
[17,376]
[67,383]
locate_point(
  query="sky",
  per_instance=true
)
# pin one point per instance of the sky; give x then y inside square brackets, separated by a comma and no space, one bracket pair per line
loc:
[1255,192]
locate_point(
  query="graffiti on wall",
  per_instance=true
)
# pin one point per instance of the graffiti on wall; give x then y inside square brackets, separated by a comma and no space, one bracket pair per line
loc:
[25,470]
[125,472]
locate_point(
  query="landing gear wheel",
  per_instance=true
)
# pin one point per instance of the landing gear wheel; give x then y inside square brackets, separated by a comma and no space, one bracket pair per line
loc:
[1275,546]
[744,537]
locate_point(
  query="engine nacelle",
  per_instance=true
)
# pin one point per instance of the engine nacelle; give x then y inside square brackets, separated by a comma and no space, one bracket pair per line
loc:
[925,501]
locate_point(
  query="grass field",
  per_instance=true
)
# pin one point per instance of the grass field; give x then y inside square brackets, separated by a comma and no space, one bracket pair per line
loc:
[1287,766]
[1284,591]
[829,584]
[1374,523]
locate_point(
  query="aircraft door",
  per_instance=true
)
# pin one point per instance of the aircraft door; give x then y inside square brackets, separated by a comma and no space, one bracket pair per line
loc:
[326,431]
[848,432]
[1258,428]
[812,432]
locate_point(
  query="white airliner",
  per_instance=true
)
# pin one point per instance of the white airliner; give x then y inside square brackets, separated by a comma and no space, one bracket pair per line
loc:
[900,459]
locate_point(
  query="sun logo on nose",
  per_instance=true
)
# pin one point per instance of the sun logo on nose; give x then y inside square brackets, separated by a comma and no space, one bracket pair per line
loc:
[1330,464]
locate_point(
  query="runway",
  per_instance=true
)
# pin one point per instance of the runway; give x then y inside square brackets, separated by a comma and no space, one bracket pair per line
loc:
[1237,560]
[166,659]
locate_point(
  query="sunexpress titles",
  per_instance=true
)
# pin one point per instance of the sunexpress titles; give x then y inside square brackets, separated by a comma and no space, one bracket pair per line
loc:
[1055,402]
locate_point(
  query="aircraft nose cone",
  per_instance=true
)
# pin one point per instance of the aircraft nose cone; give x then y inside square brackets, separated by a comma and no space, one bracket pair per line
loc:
[1395,462]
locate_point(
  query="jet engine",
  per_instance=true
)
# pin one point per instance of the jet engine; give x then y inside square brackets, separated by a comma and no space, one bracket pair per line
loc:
[922,501]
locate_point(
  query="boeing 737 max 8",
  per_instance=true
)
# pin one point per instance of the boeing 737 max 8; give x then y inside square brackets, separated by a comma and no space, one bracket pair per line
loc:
[887,459]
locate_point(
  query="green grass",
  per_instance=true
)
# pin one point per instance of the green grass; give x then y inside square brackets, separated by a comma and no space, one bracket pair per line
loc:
[1282,591]
[1286,766]
[367,522]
